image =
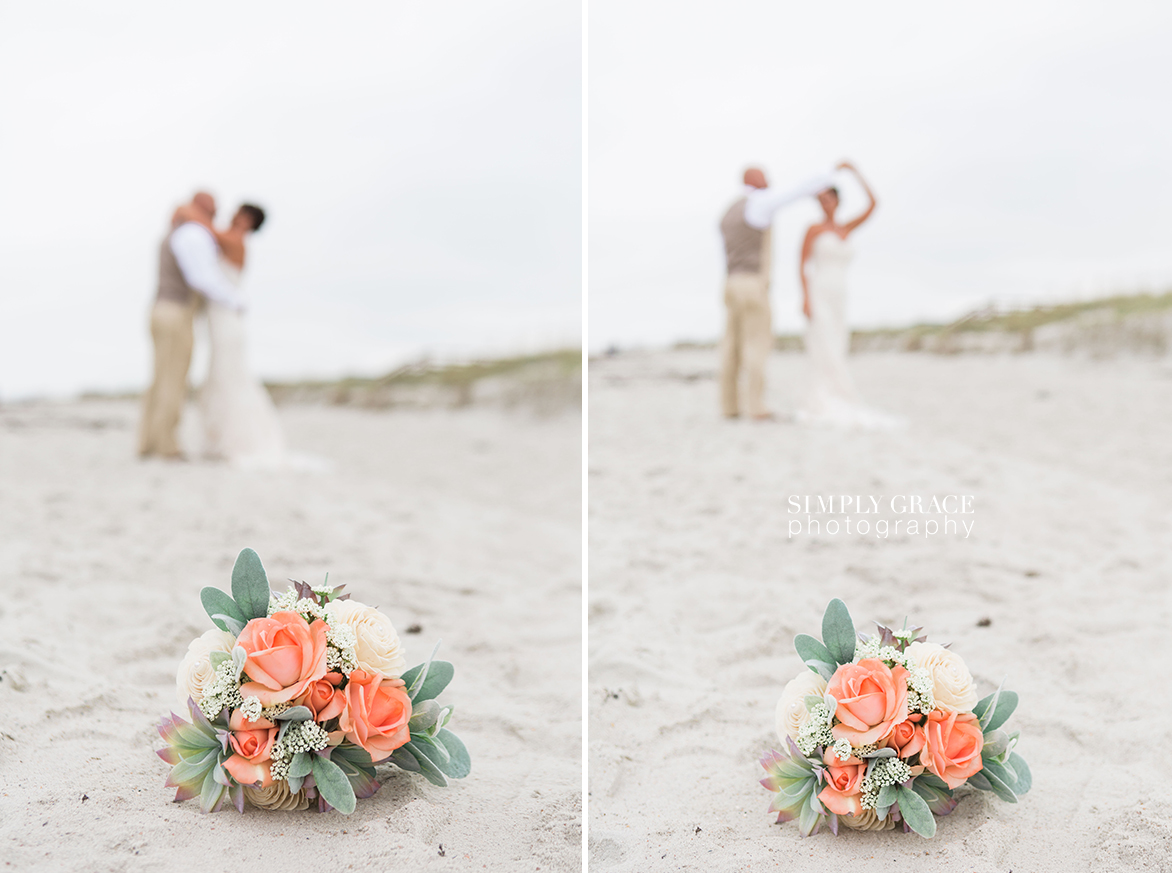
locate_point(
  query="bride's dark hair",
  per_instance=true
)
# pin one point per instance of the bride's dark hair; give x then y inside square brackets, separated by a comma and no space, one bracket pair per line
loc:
[255,213]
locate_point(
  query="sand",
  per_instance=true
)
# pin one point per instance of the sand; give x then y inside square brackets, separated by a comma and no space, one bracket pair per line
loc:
[696,592]
[466,523]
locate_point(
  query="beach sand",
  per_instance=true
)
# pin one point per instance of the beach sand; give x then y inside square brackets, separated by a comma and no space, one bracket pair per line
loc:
[1061,589]
[466,523]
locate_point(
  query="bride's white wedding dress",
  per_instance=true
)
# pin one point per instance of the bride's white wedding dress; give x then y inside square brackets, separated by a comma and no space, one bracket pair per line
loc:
[240,420]
[832,398]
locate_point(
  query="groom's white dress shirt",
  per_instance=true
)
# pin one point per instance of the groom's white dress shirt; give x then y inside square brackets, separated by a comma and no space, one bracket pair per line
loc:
[198,256]
[762,203]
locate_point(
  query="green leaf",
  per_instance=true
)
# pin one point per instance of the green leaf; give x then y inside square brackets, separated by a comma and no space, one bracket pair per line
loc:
[838,631]
[439,674]
[993,710]
[216,602]
[210,792]
[1006,704]
[1025,779]
[810,649]
[825,669]
[250,586]
[461,763]
[1002,772]
[996,744]
[935,793]
[404,760]
[301,765]
[997,785]
[334,786]
[884,801]
[808,819]
[931,780]
[294,713]
[915,812]
[218,658]
[978,780]
[427,767]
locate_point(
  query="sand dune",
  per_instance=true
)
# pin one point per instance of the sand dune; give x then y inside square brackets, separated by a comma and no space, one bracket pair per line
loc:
[696,593]
[464,523]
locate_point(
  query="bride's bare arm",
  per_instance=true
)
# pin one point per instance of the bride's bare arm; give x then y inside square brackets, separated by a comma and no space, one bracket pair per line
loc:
[231,242]
[232,245]
[866,213]
[807,248]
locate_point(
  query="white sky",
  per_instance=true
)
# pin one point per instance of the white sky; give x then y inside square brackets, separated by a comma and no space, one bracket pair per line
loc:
[1020,151]
[420,164]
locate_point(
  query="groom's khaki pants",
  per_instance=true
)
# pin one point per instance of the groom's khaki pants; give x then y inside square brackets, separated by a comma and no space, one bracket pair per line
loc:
[173,333]
[748,336]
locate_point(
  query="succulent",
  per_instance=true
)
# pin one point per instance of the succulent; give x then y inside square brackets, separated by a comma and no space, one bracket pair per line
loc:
[797,780]
[197,750]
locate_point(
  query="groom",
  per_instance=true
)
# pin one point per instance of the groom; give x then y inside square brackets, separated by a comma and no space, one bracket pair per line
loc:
[189,271]
[748,334]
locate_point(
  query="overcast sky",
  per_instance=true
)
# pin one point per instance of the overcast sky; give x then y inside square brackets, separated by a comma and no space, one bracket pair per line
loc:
[1021,151]
[420,163]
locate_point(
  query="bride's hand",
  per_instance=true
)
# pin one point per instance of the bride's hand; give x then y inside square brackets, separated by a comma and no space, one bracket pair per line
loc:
[806,308]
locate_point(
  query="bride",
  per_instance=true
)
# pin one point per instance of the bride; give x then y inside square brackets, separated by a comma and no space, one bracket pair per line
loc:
[240,421]
[832,398]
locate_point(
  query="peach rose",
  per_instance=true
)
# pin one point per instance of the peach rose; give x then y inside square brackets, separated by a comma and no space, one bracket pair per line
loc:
[376,714]
[252,742]
[324,698]
[843,780]
[953,743]
[872,699]
[286,655]
[906,738]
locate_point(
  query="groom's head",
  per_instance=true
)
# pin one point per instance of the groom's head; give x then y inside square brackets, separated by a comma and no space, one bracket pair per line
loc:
[755,177]
[249,217]
[204,202]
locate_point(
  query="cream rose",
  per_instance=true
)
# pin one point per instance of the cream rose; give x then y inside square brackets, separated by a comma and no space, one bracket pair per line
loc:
[867,820]
[276,796]
[195,670]
[951,681]
[377,647]
[791,709]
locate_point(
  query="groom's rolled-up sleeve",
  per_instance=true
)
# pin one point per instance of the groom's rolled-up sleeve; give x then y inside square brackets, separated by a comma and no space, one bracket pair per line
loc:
[761,203]
[198,257]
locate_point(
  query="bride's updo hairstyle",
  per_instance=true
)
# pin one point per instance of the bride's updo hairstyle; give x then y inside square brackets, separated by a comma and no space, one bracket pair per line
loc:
[255,214]
[833,192]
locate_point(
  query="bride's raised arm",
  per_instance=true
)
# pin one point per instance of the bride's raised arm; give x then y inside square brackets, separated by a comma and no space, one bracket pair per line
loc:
[866,213]
[230,241]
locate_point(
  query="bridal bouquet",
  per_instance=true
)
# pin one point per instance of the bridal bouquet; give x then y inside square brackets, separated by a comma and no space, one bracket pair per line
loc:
[294,697]
[882,730]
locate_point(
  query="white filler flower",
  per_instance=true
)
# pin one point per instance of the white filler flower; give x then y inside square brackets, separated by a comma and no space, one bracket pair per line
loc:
[952,683]
[195,670]
[791,709]
[376,646]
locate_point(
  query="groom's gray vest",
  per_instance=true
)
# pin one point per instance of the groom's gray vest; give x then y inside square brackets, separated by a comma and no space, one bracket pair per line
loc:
[745,247]
[172,285]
